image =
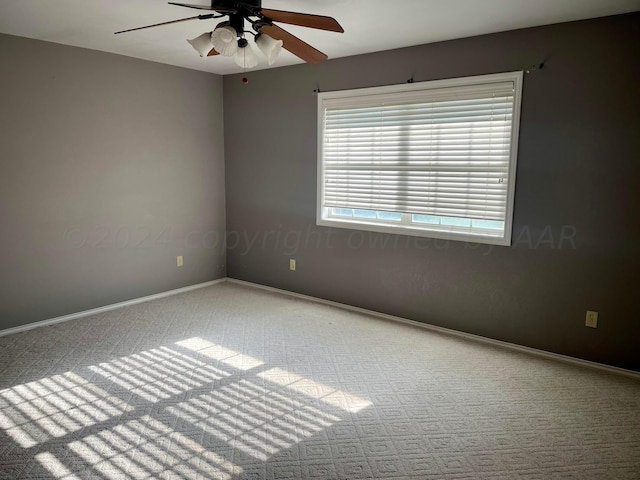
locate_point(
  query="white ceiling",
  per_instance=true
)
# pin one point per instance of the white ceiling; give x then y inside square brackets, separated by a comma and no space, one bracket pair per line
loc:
[370,25]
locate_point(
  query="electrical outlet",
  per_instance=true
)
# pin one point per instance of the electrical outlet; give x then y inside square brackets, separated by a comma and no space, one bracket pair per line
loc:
[179,260]
[292,264]
[592,319]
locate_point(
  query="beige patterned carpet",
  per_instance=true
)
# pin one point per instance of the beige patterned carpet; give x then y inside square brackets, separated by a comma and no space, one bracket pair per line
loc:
[232,382]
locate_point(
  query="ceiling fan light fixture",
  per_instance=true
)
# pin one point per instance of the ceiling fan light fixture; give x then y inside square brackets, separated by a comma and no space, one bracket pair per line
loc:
[223,39]
[228,36]
[269,46]
[245,56]
[202,44]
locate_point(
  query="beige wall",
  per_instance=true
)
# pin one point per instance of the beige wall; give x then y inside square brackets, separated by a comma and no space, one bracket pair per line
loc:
[110,168]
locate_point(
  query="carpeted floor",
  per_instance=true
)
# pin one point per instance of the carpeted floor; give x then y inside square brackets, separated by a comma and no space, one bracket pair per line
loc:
[233,382]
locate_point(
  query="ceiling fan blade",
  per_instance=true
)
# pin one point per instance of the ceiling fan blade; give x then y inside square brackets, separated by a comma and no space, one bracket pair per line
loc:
[205,7]
[165,23]
[189,5]
[296,46]
[213,52]
[304,20]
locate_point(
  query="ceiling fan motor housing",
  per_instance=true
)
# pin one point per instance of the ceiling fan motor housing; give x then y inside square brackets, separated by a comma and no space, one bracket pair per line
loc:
[236,4]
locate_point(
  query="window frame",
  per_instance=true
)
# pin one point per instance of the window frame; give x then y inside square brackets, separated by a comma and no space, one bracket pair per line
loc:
[415,229]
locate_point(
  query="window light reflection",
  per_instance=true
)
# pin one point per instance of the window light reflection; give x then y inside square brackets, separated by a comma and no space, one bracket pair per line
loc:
[223,354]
[332,396]
[55,467]
[260,415]
[158,374]
[38,411]
[261,421]
[147,448]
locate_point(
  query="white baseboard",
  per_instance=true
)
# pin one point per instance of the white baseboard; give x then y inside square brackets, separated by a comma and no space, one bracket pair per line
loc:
[447,331]
[106,308]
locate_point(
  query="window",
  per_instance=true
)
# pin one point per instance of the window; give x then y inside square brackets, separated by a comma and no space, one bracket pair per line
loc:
[434,159]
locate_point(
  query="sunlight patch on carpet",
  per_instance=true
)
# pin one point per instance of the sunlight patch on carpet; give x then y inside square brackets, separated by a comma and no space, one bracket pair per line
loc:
[332,396]
[55,406]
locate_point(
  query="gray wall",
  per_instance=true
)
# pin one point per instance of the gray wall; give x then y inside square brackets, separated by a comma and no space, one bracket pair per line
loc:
[576,224]
[110,168]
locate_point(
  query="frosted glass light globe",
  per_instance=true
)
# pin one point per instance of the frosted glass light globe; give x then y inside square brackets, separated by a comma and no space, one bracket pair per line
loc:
[202,44]
[224,40]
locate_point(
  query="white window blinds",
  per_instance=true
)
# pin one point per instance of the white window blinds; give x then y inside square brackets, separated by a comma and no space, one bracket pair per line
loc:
[440,150]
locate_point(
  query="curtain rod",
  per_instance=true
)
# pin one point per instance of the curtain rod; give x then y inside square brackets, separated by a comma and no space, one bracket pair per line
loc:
[527,71]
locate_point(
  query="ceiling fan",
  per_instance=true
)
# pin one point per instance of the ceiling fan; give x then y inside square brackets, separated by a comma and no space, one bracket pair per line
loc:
[228,38]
